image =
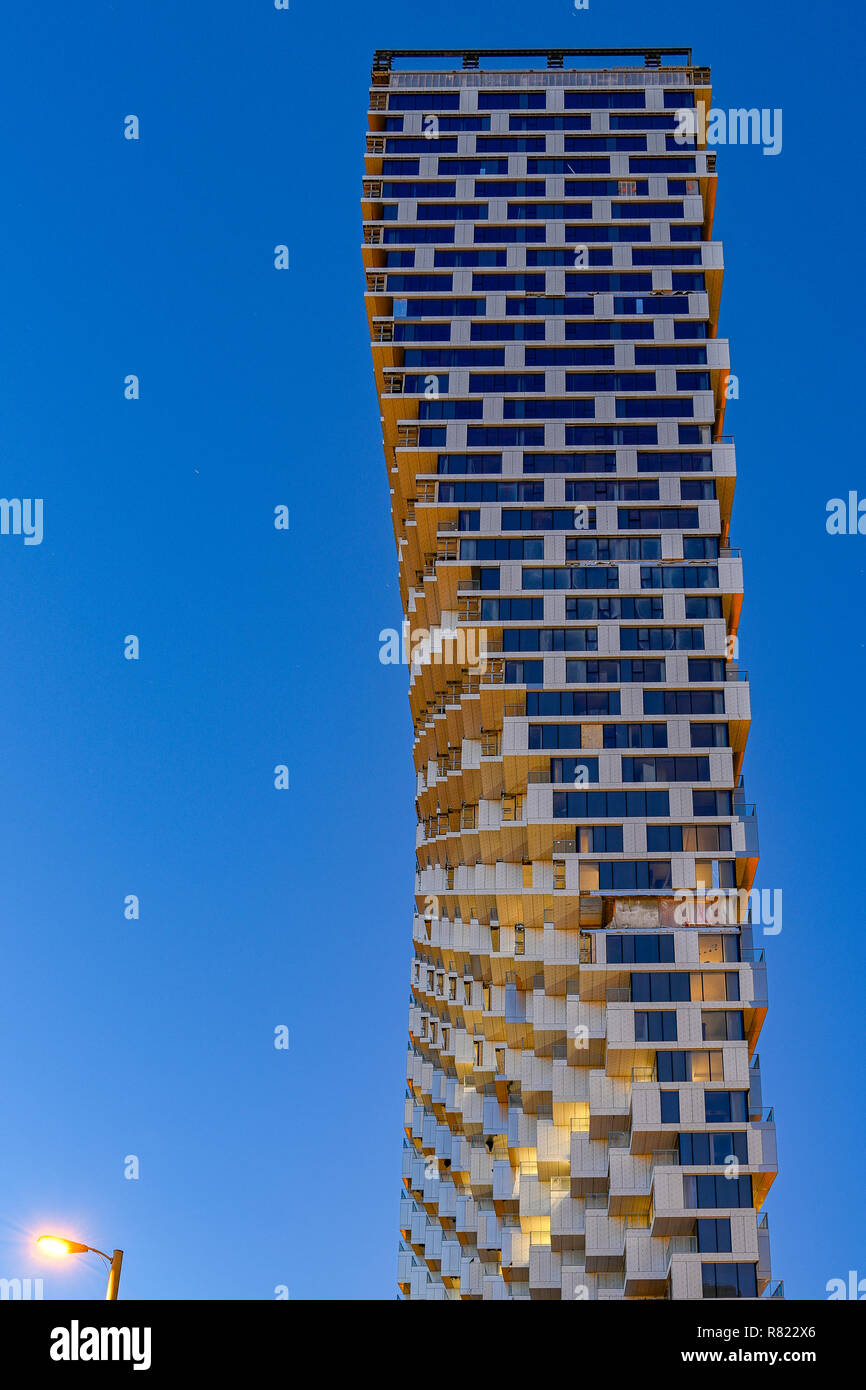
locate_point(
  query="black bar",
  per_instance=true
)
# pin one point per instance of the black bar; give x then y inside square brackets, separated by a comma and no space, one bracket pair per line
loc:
[212,1339]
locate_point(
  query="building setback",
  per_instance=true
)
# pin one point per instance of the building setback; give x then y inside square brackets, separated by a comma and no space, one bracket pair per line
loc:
[583,1116]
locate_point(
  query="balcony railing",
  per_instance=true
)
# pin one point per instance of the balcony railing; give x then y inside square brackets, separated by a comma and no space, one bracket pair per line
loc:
[680,1245]
[666,1158]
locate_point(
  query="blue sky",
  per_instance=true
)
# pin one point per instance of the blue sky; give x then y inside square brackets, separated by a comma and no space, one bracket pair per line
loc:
[154,1037]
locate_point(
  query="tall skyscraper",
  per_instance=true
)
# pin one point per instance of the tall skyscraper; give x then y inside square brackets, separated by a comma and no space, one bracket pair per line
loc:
[583,1114]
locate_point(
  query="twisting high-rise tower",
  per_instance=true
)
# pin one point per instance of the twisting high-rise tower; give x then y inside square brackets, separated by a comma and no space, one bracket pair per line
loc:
[583,1114]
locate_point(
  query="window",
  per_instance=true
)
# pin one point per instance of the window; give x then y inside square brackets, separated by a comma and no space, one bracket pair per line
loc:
[656,406]
[469,463]
[501,548]
[550,639]
[652,518]
[550,577]
[658,1025]
[644,948]
[664,839]
[612,101]
[549,122]
[706,1150]
[567,463]
[524,672]
[653,875]
[656,639]
[662,769]
[673,463]
[709,803]
[588,876]
[700,547]
[505,101]
[597,328]
[553,702]
[697,489]
[635,735]
[706,1066]
[715,1190]
[688,1066]
[577,805]
[574,770]
[709,985]
[722,1025]
[508,234]
[508,437]
[613,548]
[714,1234]
[660,987]
[688,839]
[684,702]
[424,101]
[612,672]
[709,735]
[511,609]
[733,1279]
[703,607]
[598,839]
[725,1106]
[480,382]
[610,434]
[611,608]
[679,577]
[554,736]
[670,1107]
[714,948]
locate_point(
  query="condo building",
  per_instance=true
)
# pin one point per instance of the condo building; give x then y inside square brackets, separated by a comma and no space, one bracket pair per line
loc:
[583,1114]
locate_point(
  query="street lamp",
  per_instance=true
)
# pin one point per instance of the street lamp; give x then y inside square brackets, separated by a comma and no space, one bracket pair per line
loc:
[59,1245]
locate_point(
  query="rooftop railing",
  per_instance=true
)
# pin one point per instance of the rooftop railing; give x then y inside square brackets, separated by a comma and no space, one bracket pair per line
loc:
[540,77]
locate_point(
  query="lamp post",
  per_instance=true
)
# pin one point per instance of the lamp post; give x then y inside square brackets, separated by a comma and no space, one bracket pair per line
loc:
[59,1245]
